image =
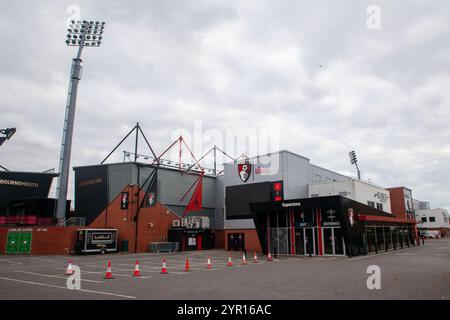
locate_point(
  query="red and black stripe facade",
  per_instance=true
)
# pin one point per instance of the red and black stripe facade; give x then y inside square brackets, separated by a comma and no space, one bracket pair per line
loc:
[332,225]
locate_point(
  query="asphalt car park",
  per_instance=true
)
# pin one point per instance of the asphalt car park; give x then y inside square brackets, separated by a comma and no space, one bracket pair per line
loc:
[412,273]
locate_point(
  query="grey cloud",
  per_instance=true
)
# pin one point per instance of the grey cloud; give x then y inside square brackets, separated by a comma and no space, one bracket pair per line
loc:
[239,64]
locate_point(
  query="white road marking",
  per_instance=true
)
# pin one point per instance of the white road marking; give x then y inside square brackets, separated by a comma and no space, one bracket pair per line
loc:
[384,253]
[11,261]
[114,274]
[60,287]
[53,276]
[41,259]
[441,254]
[369,256]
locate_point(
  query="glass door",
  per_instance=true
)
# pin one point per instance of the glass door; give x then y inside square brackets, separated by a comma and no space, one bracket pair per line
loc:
[338,241]
[310,245]
[328,241]
[300,241]
[283,245]
[333,241]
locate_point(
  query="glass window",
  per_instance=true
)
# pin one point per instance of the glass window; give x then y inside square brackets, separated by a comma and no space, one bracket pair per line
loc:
[388,238]
[273,221]
[380,206]
[274,241]
[380,238]
[424,219]
[432,219]
[371,204]
[370,238]
[395,237]
[283,218]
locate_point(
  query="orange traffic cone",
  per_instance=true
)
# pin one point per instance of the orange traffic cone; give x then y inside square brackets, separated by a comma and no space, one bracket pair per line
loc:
[164,267]
[269,257]
[255,258]
[69,270]
[108,274]
[244,259]
[137,272]
[208,265]
[186,266]
[229,264]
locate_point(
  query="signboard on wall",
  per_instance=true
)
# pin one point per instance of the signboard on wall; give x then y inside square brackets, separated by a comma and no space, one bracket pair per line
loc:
[124,200]
[329,217]
[277,191]
[408,203]
[22,185]
[91,189]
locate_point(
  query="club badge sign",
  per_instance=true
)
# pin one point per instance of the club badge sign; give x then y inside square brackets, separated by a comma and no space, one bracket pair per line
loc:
[244,170]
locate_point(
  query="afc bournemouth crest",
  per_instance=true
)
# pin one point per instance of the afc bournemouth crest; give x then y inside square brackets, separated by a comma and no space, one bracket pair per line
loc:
[244,170]
[351,217]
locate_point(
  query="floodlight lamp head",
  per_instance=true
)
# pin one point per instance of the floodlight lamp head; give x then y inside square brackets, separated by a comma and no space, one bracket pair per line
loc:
[87,33]
[352,156]
[9,132]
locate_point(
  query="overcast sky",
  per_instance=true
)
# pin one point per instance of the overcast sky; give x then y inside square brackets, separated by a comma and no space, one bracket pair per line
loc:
[310,70]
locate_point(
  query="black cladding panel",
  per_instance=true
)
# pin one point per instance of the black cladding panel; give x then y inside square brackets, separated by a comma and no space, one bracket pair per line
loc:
[23,185]
[237,198]
[91,191]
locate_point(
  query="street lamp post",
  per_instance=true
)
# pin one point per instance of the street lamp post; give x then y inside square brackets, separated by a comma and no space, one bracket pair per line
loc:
[354,160]
[80,34]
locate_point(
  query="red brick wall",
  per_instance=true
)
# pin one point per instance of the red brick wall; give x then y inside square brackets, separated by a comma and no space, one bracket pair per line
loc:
[153,221]
[53,240]
[251,239]
[47,240]
[153,226]
[397,202]
[3,236]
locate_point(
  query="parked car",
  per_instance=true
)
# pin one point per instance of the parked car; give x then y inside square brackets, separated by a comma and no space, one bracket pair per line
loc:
[433,234]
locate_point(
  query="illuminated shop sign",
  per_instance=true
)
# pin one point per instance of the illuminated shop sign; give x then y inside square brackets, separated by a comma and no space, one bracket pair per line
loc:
[277,191]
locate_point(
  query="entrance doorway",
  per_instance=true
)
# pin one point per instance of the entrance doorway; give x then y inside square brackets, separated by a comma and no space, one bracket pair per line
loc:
[333,241]
[236,241]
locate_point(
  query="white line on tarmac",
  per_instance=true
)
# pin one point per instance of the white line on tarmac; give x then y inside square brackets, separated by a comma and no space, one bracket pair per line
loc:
[41,259]
[11,261]
[441,254]
[114,274]
[371,255]
[53,276]
[60,287]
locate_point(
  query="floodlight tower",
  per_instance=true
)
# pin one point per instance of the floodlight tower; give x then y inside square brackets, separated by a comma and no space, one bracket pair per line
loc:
[8,133]
[353,160]
[80,34]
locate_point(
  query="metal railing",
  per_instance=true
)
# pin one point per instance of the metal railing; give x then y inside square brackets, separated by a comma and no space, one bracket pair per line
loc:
[73,221]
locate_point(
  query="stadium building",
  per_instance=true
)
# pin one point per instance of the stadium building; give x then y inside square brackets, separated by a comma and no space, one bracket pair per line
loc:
[279,203]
